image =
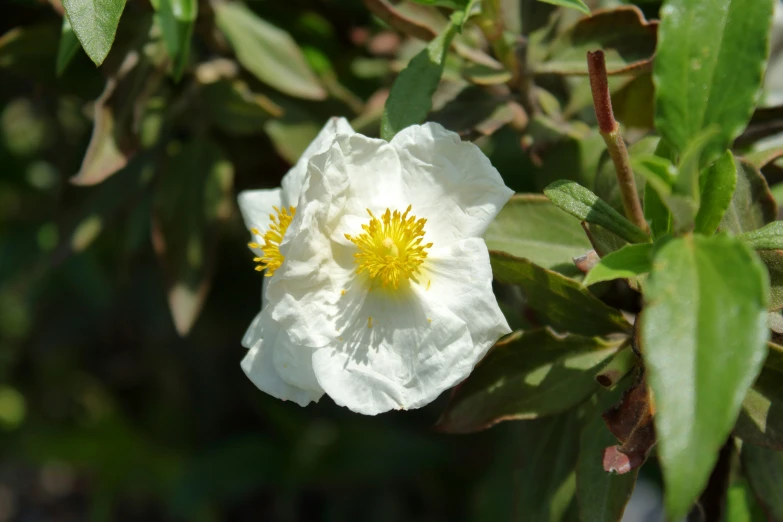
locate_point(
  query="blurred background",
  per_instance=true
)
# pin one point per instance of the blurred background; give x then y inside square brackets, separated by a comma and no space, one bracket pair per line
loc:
[126,283]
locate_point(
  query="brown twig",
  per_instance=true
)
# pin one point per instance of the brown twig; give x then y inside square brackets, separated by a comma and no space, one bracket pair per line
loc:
[610,131]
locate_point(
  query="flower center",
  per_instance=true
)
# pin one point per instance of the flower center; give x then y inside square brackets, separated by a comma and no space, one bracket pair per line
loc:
[272,258]
[390,248]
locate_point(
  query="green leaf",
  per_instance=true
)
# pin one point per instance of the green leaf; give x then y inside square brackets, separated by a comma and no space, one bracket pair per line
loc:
[69,44]
[741,506]
[235,109]
[661,177]
[630,261]
[95,24]
[606,186]
[103,203]
[761,419]
[119,114]
[410,98]
[656,214]
[602,496]
[450,4]
[267,51]
[579,5]
[761,158]
[752,205]
[703,332]
[768,237]
[586,206]
[528,375]
[603,241]
[176,22]
[719,181]
[773,259]
[561,302]
[627,39]
[192,199]
[544,470]
[708,68]
[531,226]
[764,469]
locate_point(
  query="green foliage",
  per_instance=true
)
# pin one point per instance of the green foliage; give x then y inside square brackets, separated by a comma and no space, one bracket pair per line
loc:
[531,226]
[702,353]
[410,98]
[95,24]
[718,184]
[586,206]
[688,65]
[176,23]
[268,52]
[528,375]
[636,355]
[579,5]
[563,303]
[601,496]
[764,469]
[629,261]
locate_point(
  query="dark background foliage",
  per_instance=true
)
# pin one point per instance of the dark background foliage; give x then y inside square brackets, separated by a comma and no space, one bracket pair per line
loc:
[105,411]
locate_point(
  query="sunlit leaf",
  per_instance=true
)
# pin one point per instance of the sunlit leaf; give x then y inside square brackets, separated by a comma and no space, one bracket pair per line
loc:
[586,206]
[699,83]
[95,24]
[703,332]
[267,51]
[531,226]
[629,261]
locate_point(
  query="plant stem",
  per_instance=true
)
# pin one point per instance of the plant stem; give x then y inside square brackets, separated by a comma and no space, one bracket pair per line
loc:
[610,132]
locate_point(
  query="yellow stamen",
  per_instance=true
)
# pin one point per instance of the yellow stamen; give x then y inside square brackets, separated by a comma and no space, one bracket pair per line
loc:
[272,258]
[390,248]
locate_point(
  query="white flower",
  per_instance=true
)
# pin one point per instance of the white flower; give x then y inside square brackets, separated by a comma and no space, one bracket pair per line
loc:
[385,299]
[267,214]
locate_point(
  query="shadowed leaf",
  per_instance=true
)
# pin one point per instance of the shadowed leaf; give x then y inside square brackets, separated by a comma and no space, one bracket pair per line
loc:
[764,469]
[602,496]
[752,205]
[627,39]
[761,419]
[192,199]
[528,375]
[560,302]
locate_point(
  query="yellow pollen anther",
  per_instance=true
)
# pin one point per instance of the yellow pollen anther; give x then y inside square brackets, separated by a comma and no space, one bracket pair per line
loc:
[369,322]
[390,248]
[272,258]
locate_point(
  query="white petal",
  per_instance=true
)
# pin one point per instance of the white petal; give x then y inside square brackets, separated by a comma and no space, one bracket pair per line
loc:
[306,292]
[413,351]
[259,368]
[256,206]
[294,180]
[449,182]
[354,175]
[253,333]
[460,278]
